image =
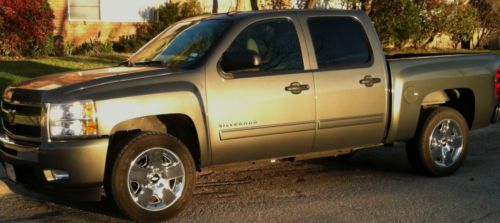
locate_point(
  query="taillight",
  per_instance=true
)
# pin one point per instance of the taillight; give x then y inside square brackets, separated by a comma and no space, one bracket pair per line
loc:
[497,83]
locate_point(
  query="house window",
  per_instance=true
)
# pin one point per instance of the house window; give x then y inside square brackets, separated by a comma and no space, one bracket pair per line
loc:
[84,9]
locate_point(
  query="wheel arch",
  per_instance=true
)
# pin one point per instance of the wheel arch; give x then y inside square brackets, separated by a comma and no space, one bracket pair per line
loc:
[178,125]
[461,99]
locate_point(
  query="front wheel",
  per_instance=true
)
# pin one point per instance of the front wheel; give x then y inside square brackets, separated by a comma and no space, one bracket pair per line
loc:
[441,143]
[152,177]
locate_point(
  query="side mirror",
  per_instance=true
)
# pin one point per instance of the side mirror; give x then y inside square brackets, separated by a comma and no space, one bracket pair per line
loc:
[240,60]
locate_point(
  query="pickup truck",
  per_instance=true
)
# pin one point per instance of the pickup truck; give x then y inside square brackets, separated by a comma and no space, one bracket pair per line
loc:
[240,87]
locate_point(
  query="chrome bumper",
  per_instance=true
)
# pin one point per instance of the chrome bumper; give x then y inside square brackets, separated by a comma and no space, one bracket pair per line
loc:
[18,151]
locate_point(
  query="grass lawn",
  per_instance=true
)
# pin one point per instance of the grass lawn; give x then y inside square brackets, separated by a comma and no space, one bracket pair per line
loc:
[17,70]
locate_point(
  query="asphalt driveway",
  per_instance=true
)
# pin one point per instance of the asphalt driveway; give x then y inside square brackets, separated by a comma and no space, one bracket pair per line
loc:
[376,185]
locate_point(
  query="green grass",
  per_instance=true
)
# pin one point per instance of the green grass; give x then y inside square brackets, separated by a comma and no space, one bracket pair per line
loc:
[16,70]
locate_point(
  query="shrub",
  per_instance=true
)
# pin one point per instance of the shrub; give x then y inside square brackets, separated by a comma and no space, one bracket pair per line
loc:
[130,44]
[164,16]
[26,28]
[463,21]
[397,21]
[94,47]
[169,13]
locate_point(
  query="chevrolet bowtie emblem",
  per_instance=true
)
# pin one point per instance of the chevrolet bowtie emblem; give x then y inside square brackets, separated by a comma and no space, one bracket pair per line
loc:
[11,116]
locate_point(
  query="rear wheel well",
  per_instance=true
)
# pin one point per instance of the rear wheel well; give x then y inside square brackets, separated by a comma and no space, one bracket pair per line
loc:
[462,100]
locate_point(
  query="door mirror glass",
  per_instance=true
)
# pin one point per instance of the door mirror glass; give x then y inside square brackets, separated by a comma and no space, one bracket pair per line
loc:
[240,61]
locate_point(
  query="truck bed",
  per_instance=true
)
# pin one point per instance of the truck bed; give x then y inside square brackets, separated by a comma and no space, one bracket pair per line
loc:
[416,76]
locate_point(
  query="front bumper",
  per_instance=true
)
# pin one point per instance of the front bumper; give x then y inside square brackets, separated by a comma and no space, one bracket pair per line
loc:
[84,161]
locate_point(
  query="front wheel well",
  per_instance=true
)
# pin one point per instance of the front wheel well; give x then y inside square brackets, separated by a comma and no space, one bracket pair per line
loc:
[178,125]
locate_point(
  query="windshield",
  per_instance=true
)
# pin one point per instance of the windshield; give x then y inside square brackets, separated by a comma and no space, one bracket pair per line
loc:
[181,46]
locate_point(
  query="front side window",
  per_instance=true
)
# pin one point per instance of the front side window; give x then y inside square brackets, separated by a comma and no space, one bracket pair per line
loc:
[84,9]
[276,43]
[339,42]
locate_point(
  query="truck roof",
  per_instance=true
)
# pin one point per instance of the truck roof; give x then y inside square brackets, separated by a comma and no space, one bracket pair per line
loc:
[248,14]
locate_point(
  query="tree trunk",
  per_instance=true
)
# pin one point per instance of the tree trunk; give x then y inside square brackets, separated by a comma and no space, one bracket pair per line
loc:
[255,5]
[215,6]
[310,4]
[367,6]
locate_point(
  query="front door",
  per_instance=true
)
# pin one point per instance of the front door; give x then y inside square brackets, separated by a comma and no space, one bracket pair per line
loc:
[268,111]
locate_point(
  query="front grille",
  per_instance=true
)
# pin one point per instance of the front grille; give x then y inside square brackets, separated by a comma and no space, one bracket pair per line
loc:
[21,131]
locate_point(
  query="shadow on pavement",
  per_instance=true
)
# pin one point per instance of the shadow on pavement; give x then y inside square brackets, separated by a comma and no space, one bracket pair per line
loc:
[103,207]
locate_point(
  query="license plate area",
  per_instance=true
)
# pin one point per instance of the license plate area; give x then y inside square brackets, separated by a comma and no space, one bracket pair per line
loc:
[11,173]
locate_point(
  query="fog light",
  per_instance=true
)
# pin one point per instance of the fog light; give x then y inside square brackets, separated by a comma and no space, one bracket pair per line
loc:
[56,175]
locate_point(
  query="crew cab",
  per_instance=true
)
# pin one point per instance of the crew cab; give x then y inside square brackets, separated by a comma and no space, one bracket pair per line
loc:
[239,87]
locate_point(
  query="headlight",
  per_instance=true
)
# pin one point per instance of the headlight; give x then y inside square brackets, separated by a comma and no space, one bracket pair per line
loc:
[73,119]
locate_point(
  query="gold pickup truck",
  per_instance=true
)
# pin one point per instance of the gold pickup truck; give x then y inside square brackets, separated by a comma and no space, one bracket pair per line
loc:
[240,87]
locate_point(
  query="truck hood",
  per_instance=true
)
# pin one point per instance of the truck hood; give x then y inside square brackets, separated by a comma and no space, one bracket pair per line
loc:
[55,81]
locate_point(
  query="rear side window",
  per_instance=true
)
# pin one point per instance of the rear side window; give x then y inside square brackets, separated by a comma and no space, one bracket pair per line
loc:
[339,42]
[275,41]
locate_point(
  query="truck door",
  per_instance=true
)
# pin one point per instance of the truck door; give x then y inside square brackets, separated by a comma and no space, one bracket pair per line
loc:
[351,83]
[264,112]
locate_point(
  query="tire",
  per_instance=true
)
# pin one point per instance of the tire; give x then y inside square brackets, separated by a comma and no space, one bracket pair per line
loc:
[153,177]
[441,143]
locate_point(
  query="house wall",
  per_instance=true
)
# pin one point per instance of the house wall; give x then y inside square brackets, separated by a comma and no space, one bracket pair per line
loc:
[118,18]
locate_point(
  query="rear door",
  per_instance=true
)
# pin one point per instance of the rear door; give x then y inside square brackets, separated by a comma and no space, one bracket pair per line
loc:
[351,84]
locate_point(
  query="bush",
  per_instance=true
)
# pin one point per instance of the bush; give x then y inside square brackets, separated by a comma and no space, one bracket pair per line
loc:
[94,47]
[397,21]
[463,21]
[130,44]
[26,28]
[165,15]
[169,13]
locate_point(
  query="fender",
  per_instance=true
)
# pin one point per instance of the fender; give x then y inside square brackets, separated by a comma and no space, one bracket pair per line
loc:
[144,98]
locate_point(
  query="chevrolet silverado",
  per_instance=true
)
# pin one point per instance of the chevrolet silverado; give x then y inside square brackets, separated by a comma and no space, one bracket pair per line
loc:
[239,87]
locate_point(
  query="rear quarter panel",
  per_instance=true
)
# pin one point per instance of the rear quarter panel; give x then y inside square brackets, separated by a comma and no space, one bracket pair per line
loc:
[415,78]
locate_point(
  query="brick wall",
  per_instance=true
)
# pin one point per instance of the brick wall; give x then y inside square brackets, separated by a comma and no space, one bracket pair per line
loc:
[79,32]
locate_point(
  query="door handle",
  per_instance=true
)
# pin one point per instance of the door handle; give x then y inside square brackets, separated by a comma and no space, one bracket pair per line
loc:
[369,81]
[297,88]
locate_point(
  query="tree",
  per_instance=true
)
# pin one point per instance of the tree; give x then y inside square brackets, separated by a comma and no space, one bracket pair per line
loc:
[255,5]
[396,21]
[433,16]
[279,4]
[310,4]
[489,15]
[464,20]
[215,6]
[365,5]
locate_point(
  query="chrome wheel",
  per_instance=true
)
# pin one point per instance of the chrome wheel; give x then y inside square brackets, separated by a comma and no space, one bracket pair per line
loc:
[156,179]
[446,143]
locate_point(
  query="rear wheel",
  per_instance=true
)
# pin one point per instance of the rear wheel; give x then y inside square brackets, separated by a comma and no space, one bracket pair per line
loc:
[152,177]
[441,143]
